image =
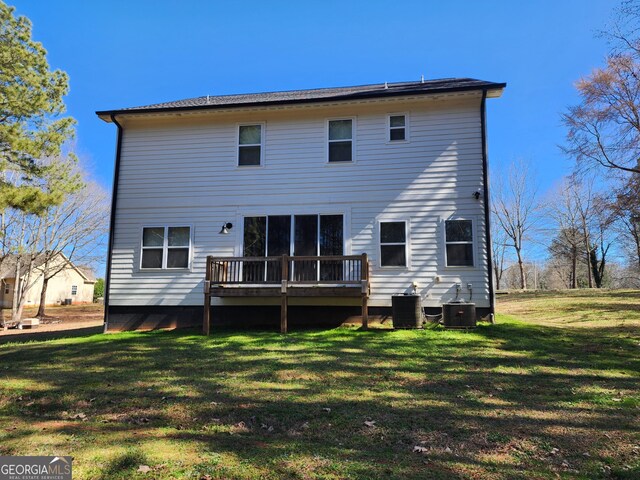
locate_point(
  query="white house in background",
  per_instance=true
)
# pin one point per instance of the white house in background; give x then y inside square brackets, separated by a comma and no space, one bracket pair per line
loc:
[395,171]
[72,282]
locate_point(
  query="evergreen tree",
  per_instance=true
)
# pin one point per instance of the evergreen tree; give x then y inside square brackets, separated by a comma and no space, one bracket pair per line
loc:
[31,123]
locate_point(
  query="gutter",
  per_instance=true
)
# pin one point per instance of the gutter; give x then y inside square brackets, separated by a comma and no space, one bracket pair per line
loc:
[487,211]
[112,223]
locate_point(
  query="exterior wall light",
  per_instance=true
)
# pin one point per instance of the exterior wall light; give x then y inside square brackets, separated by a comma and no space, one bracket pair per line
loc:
[225,228]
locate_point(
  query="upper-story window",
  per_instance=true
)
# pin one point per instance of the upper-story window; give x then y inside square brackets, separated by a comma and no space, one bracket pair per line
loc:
[341,140]
[250,145]
[166,247]
[459,243]
[398,127]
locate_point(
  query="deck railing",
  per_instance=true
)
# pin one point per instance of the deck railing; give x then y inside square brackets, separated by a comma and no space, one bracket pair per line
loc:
[331,273]
[310,270]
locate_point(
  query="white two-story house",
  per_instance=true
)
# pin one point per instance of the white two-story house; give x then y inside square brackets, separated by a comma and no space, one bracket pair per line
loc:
[310,205]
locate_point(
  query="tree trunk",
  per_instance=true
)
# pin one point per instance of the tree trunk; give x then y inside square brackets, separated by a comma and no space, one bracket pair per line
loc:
[636,237]
[15,316]
[523,277]
[574,267]
[20,310]
[496,271]
[589,274]
[43,297]
[597,276]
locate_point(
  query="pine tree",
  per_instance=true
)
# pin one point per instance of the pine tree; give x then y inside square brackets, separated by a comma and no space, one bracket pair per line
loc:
[31,123]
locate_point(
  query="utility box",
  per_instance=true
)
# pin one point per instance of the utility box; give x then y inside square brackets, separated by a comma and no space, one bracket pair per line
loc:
[407,311]
[459,315]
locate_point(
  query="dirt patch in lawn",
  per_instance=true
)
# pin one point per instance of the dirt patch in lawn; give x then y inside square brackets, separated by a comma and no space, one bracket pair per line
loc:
[70,320]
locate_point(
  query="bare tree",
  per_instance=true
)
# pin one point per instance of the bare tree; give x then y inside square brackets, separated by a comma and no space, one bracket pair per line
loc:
[20,245]
[73,232]
[602,221]
[499,244]
[563,213]
[595,221]
[626,213]
[582,218]
[514,206]
[604,128]
[27,236]
[582,197]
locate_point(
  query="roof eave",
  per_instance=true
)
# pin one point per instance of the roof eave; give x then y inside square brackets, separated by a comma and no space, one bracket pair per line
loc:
[494,90]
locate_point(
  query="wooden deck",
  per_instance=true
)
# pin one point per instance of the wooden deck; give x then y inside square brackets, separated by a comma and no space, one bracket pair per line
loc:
[286,276]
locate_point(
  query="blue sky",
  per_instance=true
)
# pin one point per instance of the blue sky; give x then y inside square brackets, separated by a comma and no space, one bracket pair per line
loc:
[124,53]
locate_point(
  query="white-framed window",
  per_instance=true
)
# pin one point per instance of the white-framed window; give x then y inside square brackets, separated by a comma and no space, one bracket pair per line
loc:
[166,247]
[250,145]
[398,127]
[340,140]
[393,243]
[459,243]
[74,289]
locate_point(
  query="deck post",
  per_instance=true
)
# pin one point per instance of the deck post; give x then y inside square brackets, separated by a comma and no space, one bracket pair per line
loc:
[364,277]
[206,317]
[283,294]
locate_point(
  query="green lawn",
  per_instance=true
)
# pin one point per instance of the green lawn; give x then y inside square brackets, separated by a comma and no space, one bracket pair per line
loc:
[514,400]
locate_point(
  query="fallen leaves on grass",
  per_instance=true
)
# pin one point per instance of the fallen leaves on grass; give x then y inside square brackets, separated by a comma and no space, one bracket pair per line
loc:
[370,423]
[139,421]
[78,416]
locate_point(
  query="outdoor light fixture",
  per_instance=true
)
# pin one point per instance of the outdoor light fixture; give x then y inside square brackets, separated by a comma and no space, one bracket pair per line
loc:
[225,228]
[477,194]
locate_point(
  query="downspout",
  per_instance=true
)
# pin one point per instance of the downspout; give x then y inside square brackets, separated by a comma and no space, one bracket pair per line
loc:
[112,223]
[487,211]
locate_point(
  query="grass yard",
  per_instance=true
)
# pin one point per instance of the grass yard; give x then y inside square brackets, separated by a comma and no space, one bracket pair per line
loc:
[551,391]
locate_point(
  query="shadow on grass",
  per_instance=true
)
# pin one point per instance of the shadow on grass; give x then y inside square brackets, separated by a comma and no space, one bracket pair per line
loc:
[490,403]
[31,336]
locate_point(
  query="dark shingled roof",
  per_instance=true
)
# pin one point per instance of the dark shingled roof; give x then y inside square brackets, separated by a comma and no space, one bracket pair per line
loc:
[315,95]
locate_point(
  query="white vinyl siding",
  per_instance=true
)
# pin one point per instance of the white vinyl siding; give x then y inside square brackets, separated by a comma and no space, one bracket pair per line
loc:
[185,170]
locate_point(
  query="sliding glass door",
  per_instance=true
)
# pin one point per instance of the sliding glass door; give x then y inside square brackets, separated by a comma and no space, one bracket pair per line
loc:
[305,243]
[331,243]
[297,235]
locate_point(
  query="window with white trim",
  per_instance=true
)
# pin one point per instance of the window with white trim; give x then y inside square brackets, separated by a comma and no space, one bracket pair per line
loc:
[249,145]
[340,141]
[459,243]
[74,289]
[393,244]
[398,128]
[165,247]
